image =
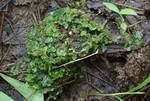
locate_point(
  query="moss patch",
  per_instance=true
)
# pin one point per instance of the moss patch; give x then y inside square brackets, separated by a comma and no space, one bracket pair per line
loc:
[64,35]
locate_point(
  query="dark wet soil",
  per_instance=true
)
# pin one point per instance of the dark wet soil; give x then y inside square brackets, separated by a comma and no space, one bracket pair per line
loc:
[115,71]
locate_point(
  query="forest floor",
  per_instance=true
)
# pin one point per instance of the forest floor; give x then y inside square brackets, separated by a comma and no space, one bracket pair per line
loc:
[117,70]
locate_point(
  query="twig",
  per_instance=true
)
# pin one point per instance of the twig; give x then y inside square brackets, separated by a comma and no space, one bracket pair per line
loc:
[124,5]
[106,61]
[101,79]
[144,98]
[2,5]
[66,83]
[11,37]
[124,2]
[1,30]
[80,59]
[87,80]
[5,54]
[39,14]
[100,91]
[1,38]
[107,21]
[35,18]
[134,24]
[8,65]
[104,74]
[13,32]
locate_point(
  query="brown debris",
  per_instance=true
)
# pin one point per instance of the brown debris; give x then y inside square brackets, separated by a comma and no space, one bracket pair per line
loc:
[24,2]
[138,65]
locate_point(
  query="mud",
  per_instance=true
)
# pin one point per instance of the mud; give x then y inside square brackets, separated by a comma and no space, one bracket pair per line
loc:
[115,71]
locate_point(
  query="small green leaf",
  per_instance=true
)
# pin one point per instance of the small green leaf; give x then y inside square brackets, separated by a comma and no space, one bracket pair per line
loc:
[4,97]
[138,39]
[112,7]
[138,35]
[29,93]
[128,11]
[123,26]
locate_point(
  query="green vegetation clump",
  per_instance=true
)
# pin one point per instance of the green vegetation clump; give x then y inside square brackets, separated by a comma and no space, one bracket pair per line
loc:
[63,36]
[132,42]
[77,3]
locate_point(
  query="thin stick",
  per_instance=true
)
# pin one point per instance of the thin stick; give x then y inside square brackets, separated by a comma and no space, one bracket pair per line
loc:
[66,83]
[8,65]
[35,18]
[134,24]
[101,79]
[1,38]
[101,71]
[3,57]
[80,59]
[100,91]
[106,61]
[124,5]
[2,5]
[1,30]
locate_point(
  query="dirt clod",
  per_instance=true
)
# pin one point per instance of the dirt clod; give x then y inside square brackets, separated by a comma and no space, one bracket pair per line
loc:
[138,65]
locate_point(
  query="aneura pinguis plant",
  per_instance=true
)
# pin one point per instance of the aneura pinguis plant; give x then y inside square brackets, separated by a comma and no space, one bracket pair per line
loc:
[64,35]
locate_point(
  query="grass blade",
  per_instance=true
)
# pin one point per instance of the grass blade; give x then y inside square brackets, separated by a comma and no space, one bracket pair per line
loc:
[119,94]
[4,97]
[24,89]
[141,85]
